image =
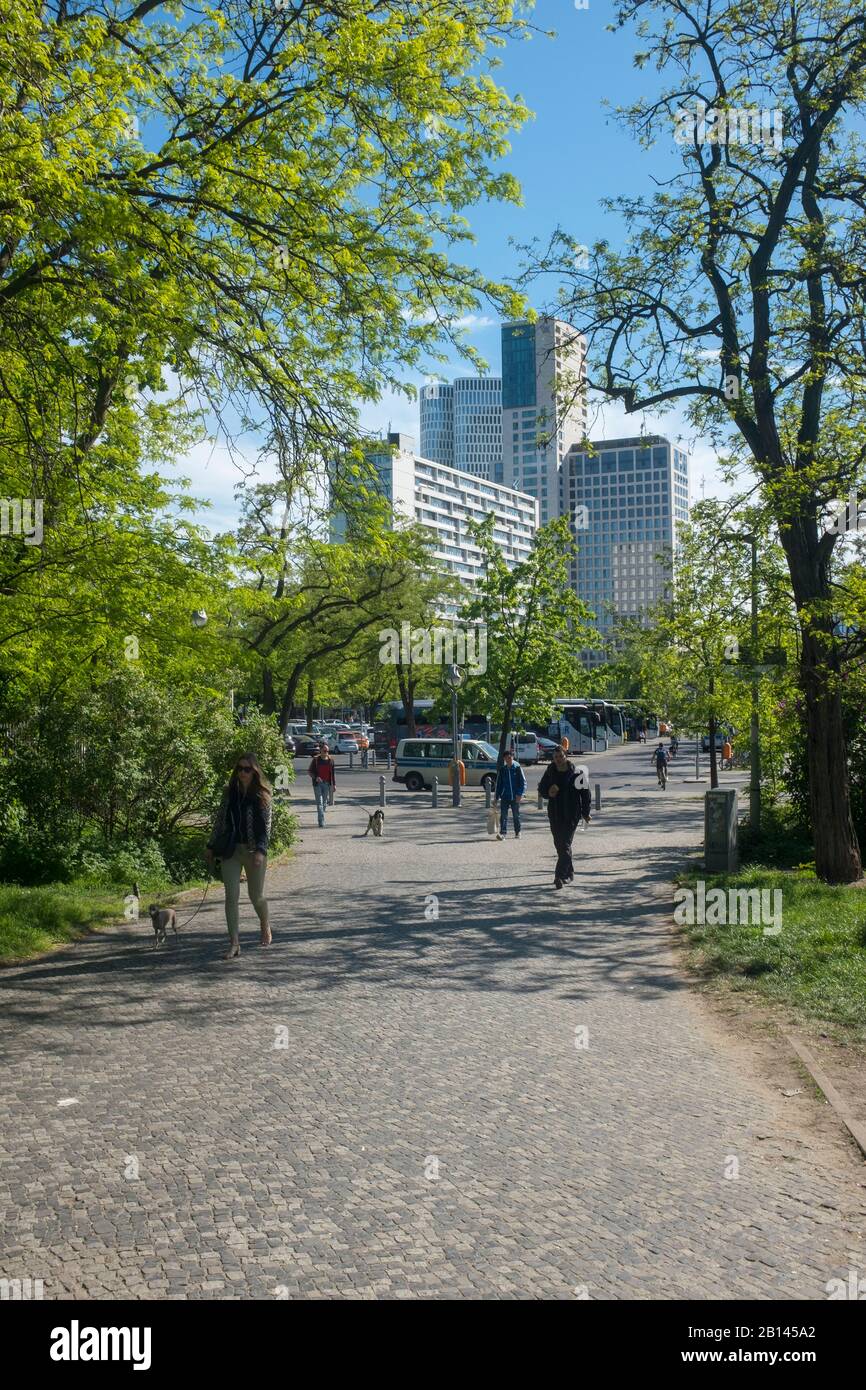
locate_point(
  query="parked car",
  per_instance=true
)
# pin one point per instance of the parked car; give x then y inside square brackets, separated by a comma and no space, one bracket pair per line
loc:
[362,738]
[343,742]
[289,741]
[306,745]
[419,760]
[546,748]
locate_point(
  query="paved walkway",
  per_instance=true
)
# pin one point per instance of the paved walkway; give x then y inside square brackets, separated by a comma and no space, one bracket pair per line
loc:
[430,1127]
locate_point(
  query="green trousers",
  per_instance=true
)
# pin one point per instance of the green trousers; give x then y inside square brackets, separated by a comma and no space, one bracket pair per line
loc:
[231,872]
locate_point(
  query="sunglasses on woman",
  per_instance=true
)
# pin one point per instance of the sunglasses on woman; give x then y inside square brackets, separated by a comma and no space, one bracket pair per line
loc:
[245,768]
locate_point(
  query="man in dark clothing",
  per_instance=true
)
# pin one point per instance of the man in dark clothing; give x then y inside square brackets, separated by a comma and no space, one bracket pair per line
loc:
[563,811]
[510,786]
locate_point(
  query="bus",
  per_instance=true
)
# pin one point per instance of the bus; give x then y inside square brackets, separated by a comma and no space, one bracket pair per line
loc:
[588,724]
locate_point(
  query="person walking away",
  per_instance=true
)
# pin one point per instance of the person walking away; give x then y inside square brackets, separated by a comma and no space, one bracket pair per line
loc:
[510,787]
[240,839]
[661,758]
[675,743]
[563,811]
[727,754]
[323,774]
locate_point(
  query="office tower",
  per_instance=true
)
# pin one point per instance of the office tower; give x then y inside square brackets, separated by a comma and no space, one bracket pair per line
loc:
[543,407]
[626,499]
[461,425]
[436,410]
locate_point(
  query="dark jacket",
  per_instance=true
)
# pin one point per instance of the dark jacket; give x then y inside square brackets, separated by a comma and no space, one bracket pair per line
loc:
[510,782]
[248,817]
[323,770]
[565,806]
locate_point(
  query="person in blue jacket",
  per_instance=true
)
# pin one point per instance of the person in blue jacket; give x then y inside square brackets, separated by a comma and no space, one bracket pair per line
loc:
[510,786]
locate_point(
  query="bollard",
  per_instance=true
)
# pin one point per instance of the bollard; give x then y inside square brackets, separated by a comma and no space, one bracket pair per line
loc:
[598,796]
[351,760]
[455,791]
[540,802]
[697,762]
[381,790]
[435,792]
[488,796]
[389,760]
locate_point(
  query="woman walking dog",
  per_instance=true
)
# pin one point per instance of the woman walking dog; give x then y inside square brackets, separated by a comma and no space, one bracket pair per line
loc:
[241,834]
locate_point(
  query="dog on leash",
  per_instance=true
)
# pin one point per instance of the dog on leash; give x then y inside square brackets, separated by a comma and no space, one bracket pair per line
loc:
[162,919]
[375,822]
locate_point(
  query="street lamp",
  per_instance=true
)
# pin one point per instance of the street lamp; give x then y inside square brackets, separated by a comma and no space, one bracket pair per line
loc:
[754,725]
[454,679]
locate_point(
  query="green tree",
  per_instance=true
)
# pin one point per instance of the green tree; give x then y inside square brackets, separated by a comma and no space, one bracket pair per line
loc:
[534,625]
[740,295]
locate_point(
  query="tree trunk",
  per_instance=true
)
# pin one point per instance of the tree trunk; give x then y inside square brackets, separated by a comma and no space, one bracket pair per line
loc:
[406,682]
[837,853]
[289,697]
[506,724]
[269,702]
[310,705]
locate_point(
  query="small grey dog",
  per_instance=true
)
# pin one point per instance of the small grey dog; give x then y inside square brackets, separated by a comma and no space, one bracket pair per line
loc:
[162,919]
[375,822]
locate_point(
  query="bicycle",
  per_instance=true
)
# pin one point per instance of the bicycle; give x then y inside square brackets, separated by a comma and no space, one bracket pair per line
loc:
[662,772]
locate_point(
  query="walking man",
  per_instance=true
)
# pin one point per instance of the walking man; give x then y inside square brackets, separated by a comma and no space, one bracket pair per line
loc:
[323,775]
[510,786]
[563,811]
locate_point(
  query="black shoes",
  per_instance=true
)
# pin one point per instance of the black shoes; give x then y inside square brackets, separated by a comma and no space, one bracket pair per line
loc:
[557,883]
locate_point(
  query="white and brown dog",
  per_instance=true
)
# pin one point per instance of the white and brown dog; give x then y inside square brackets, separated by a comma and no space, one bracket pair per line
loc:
[375,822]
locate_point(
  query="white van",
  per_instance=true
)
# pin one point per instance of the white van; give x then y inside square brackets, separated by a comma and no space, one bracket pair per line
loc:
[527,749]
[419,760]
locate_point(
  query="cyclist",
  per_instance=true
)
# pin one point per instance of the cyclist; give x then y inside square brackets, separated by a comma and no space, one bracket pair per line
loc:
[661,758]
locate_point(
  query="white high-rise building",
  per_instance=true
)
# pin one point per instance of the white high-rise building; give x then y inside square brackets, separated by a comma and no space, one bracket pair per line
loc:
[445,500]
[543,407]
[461,425]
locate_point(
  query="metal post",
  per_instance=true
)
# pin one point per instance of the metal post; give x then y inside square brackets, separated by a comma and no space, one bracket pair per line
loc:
[488,796]
[435,798]
[598,796]
[754,727]
[389,759]
[455,777]
[351,760]
[697,761]
[540,802]
[381,790]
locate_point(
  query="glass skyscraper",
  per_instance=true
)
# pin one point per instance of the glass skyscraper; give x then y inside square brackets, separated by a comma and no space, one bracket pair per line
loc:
[461,425]
[626,499]
[543,407]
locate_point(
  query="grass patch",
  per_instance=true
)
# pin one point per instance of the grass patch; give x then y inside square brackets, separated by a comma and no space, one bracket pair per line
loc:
[33,920]
[817,963]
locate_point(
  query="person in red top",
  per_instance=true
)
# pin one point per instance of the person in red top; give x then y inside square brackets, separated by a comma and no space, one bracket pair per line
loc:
[323,775]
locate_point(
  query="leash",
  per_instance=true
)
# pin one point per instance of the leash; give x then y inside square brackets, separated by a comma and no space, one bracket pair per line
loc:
[187,920]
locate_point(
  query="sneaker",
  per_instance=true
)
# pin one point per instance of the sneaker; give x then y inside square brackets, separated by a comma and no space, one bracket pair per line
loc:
[498,836]
[557,883]
[517,834]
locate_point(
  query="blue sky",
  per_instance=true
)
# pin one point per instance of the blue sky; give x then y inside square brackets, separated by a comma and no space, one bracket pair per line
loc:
[568,157]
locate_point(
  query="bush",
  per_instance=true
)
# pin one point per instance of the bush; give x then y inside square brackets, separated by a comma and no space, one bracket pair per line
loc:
[123,785]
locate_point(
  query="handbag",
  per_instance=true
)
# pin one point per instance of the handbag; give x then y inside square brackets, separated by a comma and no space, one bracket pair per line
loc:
[225,843]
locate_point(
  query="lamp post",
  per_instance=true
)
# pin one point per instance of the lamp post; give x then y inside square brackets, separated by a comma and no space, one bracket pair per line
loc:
[454,679]
[755,676]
